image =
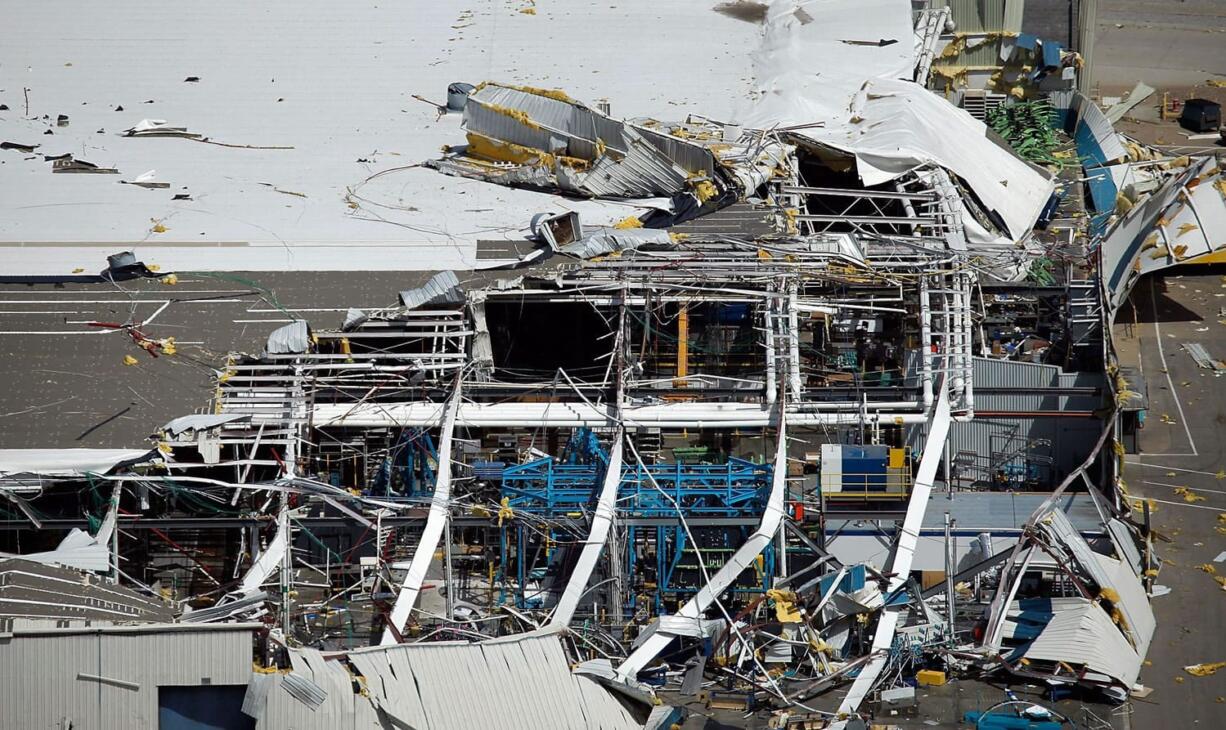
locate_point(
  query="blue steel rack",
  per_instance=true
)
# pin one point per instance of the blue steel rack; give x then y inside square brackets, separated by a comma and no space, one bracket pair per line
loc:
[549,488]
[556,487]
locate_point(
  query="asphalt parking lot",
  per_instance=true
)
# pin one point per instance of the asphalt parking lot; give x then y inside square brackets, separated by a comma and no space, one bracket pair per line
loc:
[1181,469]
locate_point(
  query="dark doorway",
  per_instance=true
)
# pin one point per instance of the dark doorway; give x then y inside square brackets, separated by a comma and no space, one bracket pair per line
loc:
[207,707]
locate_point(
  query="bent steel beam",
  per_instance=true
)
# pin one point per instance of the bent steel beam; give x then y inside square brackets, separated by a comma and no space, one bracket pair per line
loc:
[440,511]
[904,553]
[268,560]
[693,609]
[602,522]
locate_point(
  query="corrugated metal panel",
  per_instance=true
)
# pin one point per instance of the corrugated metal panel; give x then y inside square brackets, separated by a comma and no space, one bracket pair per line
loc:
[256,698]
[442,288]
[567,128]
[291,338]
[1070,441]
[1134,601]
[511,684]
[642,171]
[1125,543]
[993,373]
[1014,10]
[977,16]
[1085,635]
[304,690]
[42,687]
[613,240]
[482,115]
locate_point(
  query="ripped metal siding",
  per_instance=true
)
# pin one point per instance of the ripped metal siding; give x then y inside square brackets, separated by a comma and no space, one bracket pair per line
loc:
[562,127]
[1083,634]
[613,240]
[642,171]
[522,682]
[442,288]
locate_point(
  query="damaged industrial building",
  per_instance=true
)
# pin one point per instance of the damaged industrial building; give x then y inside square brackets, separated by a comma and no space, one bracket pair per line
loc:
[790,417]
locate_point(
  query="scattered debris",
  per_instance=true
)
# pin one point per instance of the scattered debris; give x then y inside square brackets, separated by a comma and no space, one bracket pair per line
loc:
[147,180]
[1202,358]
[158,128]
[69,164]
[1204,670]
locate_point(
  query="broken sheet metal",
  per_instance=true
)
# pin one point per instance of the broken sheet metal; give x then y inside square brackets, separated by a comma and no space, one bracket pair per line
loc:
[269,560]
[68,462]
[693,610]
[542,138]
[1109,633]
[889,126]
[158,128]
[38,591]
[524,681]
[432,533]
[304,690]
[442,288]
[354,318]
[605,241]
[291,339]
[200,422]
[79,549]
[1182,221]
[1081,634]
[1091,129]
[251,606]
[1139,93]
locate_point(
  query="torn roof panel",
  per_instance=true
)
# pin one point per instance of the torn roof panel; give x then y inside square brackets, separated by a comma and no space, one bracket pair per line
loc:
[873,38]
[1083,634]
[520,681]
[201,422]
[442,288]
[68,462]
[890,126]
[1133,603]
[1184,218]
[327,90]
[540,138]
[33,590]
[290,339]
[611,240]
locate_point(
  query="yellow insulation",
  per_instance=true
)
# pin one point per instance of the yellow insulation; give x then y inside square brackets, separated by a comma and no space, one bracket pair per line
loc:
[517,114]
[555,94]
[704,190]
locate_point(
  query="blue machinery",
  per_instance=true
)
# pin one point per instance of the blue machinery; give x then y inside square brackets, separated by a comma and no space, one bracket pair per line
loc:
[566,488]
[408,469]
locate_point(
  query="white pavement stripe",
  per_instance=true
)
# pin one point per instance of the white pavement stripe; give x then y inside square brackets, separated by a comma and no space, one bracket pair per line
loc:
[1184,504]
[1172,468]
[1153,303]
[1185,486]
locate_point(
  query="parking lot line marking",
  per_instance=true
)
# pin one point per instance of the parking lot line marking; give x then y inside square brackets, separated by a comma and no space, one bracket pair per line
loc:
[1153,303]
[1185,486]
